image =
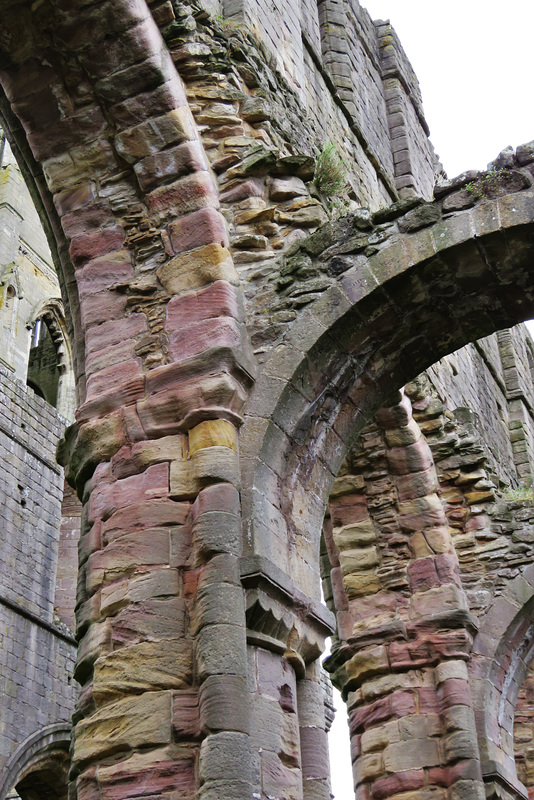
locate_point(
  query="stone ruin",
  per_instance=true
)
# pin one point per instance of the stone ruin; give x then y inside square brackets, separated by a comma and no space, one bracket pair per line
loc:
[280,358]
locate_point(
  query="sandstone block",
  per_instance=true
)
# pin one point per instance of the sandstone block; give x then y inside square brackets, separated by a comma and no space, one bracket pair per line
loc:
[219,332]
[417,484]
[220,497]
[347,484]
[143,515]
[196,268]
[143,667]
[88,246]
[421,513]
[313,753]
[286,188]
[114,331]
[371,661]
[451,669]
[414,754]
[102,306]
[169,769]
[395,417]
[167,165]
[124,554]
[460,745]
[152,620]
[222,706]
[225,754]
[152,135]
[141,721]
[467,790]
[411,458]
[420,726]
[218,603]
[359,584]
[215,464]
[198,229]
[217,532]
[219,299]
[95,642]
[358,559]
[359,534]
[214,790]
[185,714]
[182,483]
[183,196]
[378,738]
[437,600]
[221,651]
[403,782]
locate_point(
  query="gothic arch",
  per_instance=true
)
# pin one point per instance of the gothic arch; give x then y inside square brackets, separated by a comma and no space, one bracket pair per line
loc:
[100,122]
[383,322]
[47,749]
[502,653]
[51,313]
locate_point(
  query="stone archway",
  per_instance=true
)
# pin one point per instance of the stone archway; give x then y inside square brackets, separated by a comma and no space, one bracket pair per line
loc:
[99,117]
[39,766]
[503,650]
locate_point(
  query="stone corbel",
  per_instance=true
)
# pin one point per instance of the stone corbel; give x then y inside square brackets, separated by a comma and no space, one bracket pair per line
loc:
[280,618]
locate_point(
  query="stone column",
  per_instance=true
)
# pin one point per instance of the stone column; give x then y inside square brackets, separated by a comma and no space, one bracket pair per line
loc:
[401,662]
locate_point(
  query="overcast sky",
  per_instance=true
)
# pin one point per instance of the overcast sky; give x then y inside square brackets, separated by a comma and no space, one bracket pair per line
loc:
[473,59]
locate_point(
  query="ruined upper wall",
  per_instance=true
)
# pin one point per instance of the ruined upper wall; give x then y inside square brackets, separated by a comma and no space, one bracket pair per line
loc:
[492,378]
[355,84]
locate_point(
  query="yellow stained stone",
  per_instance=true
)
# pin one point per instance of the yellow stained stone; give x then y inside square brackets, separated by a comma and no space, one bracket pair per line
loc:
[197,268]
[212,433]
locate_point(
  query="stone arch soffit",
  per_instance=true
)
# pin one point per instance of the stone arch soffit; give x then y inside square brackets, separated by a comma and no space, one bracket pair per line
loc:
[389,317]
[53,314]
[503,650]
[53,738]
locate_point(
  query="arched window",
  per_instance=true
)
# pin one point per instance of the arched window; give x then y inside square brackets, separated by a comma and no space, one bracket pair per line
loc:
[8,307]
[43,363]
[50,373]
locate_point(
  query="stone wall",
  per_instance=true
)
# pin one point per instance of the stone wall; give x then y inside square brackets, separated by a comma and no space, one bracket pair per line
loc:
[490,382]
[37,652]
[354,85]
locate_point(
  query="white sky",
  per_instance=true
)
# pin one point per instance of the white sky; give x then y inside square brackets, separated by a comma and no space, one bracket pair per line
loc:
[473,59]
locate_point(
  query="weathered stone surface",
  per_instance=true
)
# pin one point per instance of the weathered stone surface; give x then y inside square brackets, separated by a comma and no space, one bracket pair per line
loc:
[169,769]
[197,268]
[142,667]
[138,721]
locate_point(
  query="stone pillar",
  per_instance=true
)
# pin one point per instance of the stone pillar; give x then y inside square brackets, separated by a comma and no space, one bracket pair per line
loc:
[405,626]
[286,632]
[158,312]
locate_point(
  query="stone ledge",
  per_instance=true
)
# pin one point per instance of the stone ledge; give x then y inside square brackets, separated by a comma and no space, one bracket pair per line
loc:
[500,784]
[280,617]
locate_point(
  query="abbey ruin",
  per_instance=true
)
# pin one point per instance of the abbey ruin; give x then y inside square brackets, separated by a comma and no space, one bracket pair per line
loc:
[262,382]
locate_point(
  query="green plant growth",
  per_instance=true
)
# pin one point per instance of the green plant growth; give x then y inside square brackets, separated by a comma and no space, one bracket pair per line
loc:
[523,493]
[330,179]
[487,184]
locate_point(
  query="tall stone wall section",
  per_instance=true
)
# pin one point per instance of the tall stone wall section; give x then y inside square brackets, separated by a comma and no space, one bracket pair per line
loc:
[36,651]
[490,382]
[356,86]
